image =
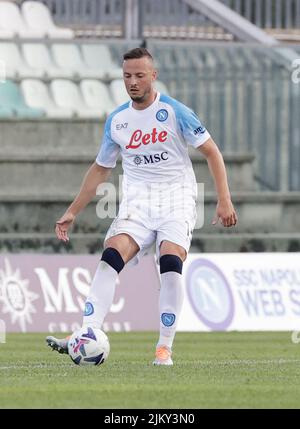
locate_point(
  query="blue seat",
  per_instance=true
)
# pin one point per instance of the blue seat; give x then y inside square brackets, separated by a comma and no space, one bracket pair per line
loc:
[12,103]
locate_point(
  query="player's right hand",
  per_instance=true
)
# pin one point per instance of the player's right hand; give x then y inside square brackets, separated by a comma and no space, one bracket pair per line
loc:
[62,226]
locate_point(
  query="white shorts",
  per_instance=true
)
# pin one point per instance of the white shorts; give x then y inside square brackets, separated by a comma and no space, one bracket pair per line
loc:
[149,225]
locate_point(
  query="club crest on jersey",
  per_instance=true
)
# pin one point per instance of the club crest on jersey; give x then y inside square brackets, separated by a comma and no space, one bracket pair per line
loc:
[162,115]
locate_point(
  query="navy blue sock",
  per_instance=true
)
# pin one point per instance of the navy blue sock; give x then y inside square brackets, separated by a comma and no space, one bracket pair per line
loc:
[170,263]
[113,258]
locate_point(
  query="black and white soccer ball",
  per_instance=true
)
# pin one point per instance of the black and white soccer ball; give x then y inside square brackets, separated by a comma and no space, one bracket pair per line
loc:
[88,346]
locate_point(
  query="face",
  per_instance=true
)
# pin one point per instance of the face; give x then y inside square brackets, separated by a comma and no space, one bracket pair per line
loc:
[139,75]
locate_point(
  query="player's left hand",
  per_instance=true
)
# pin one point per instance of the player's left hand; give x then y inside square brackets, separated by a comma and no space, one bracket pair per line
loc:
[226,213]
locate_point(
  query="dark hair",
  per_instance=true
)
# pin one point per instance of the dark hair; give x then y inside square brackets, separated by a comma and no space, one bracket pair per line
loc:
[137,53]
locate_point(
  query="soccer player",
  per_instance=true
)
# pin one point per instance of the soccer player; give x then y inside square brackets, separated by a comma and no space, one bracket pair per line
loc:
[152,133]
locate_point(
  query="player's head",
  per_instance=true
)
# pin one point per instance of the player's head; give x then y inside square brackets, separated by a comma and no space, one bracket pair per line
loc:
[139,74]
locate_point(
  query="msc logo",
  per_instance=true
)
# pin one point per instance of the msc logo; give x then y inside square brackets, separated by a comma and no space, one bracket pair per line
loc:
[199,130]
[162,115]
[120,126]
[138,160]
[150,159]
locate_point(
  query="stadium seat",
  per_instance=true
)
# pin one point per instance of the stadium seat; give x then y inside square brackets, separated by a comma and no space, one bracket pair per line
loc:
[38,17]
[66,95]
[99,57]
[68,57]
[38,57]
[161,87]
[15,67]
[118,91]
[11,100]
[12,21]
[36,95]
[6,34]
[96,95]
[6,112]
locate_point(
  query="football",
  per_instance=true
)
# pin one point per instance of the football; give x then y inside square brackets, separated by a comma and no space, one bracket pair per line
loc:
[88,346]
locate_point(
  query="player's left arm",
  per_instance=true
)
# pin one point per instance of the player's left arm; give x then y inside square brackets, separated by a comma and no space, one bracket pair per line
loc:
[225,211]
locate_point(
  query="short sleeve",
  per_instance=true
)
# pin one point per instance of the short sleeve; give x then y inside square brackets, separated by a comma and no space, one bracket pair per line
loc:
[109,149]
[194,133]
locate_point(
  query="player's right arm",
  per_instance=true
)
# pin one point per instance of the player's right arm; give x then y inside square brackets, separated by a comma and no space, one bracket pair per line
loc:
[96,175]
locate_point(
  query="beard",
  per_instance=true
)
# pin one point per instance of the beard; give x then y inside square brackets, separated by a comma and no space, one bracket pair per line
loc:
[140,98]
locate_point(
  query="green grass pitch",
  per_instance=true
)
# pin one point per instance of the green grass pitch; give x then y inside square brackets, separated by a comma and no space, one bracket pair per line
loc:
[211,370]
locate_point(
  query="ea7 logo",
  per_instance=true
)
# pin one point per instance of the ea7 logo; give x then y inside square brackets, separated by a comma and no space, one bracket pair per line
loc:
[120,126]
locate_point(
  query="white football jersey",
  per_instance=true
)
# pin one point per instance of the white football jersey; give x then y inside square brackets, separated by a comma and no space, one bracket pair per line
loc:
[153,142]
